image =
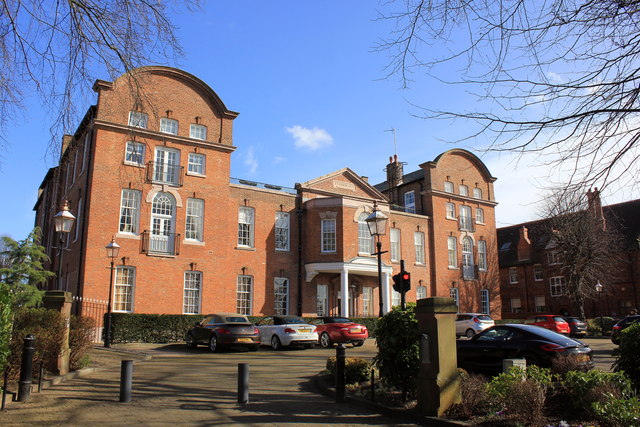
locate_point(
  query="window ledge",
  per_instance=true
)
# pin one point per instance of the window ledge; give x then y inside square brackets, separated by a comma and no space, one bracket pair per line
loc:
[197,175]
[245,248]
[193,242]
[132,236]
[136,165]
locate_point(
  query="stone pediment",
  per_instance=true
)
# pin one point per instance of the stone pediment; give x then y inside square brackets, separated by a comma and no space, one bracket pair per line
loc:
[344,182]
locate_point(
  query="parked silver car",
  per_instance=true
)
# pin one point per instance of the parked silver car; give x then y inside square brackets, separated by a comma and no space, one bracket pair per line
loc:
[284,331]
[469,324]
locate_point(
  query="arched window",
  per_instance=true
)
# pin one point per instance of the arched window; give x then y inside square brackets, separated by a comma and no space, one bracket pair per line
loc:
[162,223]
[365,240]
[482,255]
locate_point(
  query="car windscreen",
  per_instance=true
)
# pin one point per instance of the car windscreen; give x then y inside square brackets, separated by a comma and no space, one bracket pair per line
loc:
[339,320]
[484,318]
[289,320]
[554,336]
[236,319]
[559,319]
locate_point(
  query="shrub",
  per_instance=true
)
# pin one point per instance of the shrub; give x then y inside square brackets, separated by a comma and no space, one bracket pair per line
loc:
[5,324]
[594,326]
[80,341]
[151,328]
[583,388]
[474,399]
[616,412]
[628,354]
[48,327]
[398,358]
[356,370]
[519,393]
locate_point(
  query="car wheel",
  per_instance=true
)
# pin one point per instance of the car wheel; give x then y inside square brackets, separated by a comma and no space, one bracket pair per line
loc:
[470,333]
[325,340]
[213,344]
[275,343]
[191,341]
[358,343]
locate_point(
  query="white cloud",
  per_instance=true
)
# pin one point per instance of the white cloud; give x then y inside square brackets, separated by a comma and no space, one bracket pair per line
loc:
[312,139]
[279,160]
[251,160]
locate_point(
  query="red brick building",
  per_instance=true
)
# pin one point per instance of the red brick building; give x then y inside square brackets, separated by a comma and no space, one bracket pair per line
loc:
[149,166]
[532,279]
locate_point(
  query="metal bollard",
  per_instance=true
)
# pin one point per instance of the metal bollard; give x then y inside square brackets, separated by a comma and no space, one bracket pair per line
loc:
[4,388]
[126,379]
[373,385]
[40,375]
[243,383]
[26,369]
[340,380]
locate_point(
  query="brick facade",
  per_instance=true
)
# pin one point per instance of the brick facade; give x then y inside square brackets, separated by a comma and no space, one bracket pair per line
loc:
[137,184]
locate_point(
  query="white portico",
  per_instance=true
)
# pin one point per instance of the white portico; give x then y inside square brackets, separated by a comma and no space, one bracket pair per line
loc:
[363,266]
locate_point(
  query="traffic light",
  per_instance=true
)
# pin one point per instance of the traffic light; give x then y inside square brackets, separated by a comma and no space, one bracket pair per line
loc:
[397,282]
[406,281]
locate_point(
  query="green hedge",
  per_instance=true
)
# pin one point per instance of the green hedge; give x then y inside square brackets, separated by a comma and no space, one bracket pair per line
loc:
[164,328]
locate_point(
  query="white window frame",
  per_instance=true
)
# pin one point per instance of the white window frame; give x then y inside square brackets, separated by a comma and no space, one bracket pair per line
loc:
[484,301]
[516,305]
[421,292]
[198,131]
[466,221]
[246,226]
[513,275]
[479,216]
[394,239]
[477,193]
[322,300]
[482,255]
[463,189]
[196,164]
[282,232]
[168,125]
[367,301]
[455,295]
[138,119]
[281,296]
[134,153]
[540,308]
[395,298]
[410,202]
[194,220]
[328,236]
[418,240]
[244,295]
[538,272]
[124,289]
[554,258]
[452,252]
[129,221]
[450,209]
[557,286]
[448,187]
[365,239]
[191,303]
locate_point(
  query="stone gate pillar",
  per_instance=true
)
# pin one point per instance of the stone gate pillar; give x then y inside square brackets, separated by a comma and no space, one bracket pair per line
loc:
[438,380]
[61,301]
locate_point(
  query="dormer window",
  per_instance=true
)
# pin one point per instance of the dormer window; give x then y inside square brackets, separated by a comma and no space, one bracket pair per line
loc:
[138,119]
[464,190]
[168,126]
[198,132]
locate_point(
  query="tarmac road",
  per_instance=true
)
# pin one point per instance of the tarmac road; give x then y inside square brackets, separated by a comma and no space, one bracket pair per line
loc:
[196,387]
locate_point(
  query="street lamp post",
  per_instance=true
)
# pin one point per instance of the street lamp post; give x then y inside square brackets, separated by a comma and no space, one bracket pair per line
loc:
[377,223]
[112,252]
[599,289]
[62,221]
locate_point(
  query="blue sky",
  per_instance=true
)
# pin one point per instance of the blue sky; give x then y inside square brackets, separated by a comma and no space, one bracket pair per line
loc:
[312,98]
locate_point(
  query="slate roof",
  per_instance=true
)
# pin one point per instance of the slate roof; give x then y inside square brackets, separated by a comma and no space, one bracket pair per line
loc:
[406,179]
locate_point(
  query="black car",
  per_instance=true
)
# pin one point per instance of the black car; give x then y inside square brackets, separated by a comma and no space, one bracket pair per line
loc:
[539,346]
[578,326]
[620,326]
[224,330]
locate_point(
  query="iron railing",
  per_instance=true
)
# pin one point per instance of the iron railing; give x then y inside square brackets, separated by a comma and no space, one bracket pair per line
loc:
[163,173]
[160,244]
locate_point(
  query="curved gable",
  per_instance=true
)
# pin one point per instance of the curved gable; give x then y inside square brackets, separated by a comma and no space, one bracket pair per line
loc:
[469,156]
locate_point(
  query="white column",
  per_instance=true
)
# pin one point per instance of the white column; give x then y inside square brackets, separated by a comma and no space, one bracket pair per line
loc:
[344,292]
[386,298]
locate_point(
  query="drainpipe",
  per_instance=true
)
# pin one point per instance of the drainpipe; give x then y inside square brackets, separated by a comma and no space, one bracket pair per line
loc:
[299,213]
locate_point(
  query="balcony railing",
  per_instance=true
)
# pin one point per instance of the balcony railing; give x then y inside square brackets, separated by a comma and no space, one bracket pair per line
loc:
[469,272]
[163,173]
[160,244]
[465,223]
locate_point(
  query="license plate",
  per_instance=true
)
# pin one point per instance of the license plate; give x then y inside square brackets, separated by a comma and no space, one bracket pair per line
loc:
[583,358]
[304,331]
[355,330]
[245,340]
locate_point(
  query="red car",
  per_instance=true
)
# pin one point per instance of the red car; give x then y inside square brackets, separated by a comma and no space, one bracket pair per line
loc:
[550,321]
[333,330]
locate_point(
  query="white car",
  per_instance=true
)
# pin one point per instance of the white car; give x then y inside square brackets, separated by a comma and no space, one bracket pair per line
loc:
[469,324]
[284,331]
